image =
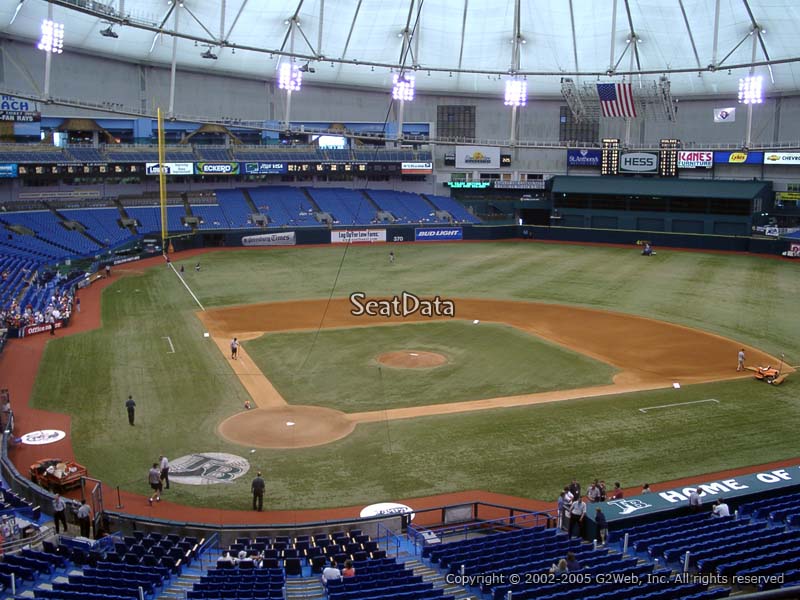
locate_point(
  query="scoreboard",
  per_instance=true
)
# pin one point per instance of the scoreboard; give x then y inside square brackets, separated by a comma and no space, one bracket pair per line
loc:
[609,160]
[668,158]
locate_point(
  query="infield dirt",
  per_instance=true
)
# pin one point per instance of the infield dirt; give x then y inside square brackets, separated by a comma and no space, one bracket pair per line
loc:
[649,354]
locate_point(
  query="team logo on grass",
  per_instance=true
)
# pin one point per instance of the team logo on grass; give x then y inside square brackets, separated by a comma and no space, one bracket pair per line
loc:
[42,437]
[404,305]
[208,468]
[629,506]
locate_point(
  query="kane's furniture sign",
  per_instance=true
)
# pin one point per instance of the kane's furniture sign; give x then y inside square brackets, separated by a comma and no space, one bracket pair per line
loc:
[693,160]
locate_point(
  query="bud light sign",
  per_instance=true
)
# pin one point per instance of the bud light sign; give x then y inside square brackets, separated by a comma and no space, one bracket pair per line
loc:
[437,234]
[583,158]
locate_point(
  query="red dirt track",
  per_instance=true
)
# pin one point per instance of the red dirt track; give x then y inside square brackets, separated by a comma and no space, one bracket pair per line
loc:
[20,361]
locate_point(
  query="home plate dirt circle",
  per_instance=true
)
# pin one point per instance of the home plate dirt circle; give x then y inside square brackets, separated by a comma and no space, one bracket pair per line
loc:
[412,359]
[286,427]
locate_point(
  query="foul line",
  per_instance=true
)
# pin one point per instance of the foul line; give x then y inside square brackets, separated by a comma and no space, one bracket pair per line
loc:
[644,410]
[186,285]
[171,347]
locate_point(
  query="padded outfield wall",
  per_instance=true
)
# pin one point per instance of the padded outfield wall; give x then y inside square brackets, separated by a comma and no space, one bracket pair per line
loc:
[402,234]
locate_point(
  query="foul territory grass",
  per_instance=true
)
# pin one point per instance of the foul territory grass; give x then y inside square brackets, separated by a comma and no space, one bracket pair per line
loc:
[528,451]
[338,367]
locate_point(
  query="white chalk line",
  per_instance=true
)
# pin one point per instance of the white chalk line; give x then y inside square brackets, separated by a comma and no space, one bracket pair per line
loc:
[644,410]
[171,347]
[186,285]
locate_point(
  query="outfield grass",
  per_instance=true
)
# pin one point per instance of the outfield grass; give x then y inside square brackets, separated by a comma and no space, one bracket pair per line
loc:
[337,368]
[528,451]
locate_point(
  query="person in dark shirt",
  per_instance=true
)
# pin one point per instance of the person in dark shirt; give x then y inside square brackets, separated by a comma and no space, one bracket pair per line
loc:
[131,406]
[257,488]
[572,562]
[602,526]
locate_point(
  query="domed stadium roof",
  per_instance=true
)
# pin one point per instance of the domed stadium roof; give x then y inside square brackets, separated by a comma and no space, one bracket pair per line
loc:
[455,46]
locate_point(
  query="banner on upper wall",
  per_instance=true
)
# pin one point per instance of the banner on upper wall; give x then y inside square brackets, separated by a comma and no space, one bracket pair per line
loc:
[477,157]
[281,238]
[583,158]
[18,110]
[782,158]
[416,168]
[438,234]
[725,115]
[695,159]
[217,168]
[171,168]
[739,158]
[8,170]
[354,236]
[638,162]
[264,168]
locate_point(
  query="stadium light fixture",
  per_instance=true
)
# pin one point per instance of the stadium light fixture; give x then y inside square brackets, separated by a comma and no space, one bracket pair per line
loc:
[751,90]
[516,92]
[290,77]
[403,87]
[52,39]
[209,54]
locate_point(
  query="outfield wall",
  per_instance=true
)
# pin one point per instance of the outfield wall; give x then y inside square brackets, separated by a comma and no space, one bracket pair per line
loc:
[401,234]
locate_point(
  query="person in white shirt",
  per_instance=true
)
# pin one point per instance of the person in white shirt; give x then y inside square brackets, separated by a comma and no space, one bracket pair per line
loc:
[330,573]
[164,465]
[695,503]
[721,509]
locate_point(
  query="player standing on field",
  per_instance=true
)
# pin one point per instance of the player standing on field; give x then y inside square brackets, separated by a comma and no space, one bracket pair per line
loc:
[234,348]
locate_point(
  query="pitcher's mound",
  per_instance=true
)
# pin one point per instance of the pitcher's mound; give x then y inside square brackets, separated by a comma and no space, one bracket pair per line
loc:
[286,427]
[412,359]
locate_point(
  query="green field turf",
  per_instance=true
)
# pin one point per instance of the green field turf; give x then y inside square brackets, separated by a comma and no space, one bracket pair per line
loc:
[528,451]
[338,369]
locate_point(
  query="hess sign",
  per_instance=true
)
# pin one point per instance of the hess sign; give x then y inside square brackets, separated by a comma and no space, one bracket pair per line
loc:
[638,162]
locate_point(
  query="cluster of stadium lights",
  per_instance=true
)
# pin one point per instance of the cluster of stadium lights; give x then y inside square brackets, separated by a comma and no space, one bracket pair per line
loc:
[290,77]
[516,92]
[751,90]
[403,87]
[52,39]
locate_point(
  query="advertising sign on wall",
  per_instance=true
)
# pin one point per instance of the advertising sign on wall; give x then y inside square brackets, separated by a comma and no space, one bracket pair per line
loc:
[416,168]
[638,162]
[782,158]
[281,238]
[8,170]
[437,234]
[477,157]
[695,159]
[218,168]
[747,158]
[264,168]
[172,168]
[353,236]
[18,110]
[583,158]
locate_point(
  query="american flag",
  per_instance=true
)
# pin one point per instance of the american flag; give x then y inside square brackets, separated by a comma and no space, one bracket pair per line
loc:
[616,100]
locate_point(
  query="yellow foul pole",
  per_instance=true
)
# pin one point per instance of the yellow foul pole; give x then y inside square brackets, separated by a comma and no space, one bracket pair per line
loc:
[162,182]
